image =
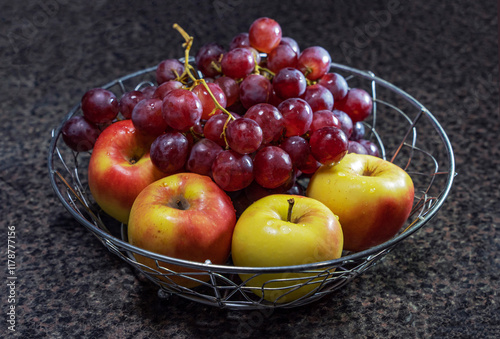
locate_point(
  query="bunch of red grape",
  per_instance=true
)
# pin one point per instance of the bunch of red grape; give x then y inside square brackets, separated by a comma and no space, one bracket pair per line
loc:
[265,113]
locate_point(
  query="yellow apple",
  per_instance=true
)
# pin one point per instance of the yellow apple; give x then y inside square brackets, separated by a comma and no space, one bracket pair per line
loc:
[371,196]
[285,230]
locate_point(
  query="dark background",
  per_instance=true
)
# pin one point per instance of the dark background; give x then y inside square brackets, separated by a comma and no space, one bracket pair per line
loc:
[442,282]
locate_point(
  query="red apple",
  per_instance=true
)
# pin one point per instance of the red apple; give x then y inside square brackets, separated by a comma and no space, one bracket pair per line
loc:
[185,216]
[371,196]
[120,168]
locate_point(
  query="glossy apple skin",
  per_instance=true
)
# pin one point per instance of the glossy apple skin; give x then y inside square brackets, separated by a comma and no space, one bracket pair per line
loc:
[185,216]
[372,197]
[120,168]
[264,238]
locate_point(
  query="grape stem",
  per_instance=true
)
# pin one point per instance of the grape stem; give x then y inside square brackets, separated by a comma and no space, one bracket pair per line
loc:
[260,70]
[187,72]
[308,71]
[216,66]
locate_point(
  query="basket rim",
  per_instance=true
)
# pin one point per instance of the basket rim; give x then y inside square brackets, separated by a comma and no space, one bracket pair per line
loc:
[373,251]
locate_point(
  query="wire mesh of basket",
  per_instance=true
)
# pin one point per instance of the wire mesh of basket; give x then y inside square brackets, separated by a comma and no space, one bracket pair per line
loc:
[406,133]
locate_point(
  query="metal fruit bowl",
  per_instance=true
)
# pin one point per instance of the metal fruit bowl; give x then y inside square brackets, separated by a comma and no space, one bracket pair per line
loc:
[406,133]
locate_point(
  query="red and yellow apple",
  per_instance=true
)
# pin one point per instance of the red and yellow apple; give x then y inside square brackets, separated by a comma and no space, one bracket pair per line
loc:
[371,196]
[185,216]
[285,230]
[120,168]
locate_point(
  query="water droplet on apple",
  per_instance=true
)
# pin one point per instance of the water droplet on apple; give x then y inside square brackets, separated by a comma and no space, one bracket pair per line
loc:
[372,190]
[285,229]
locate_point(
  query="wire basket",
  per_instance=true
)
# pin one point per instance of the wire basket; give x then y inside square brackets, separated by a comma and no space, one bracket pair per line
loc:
[406,134]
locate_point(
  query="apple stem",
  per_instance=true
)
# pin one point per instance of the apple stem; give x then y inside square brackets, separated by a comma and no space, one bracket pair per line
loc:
[291,202]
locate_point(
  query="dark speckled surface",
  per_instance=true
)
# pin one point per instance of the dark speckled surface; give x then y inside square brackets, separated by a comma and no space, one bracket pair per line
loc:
[443,282]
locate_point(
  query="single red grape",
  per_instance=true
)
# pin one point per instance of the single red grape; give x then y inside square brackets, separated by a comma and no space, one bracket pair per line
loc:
[318,97]
[202,156]
[356,147]
[322,119]
[168,69]
[268,116]
[280,57]
[149,91]
[358,131]
[345,122]
[264,34]
[169,152]
[289,83]
[232,171]
[239,40]
[99,106]
[207,56]
[214,127]
[336,84]
[255,89]
[297,116]
[272,167]
[244,135]
[206,100]
[290,42]
[80,134]
[371,147]
[298,149]
[238,63]
[314,62]
[128,101]
[147,117]
[165,88]
[182,109]
[328,145]
[357,104]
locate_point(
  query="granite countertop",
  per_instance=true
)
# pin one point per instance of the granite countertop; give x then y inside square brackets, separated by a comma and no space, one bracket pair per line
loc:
[442,282]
